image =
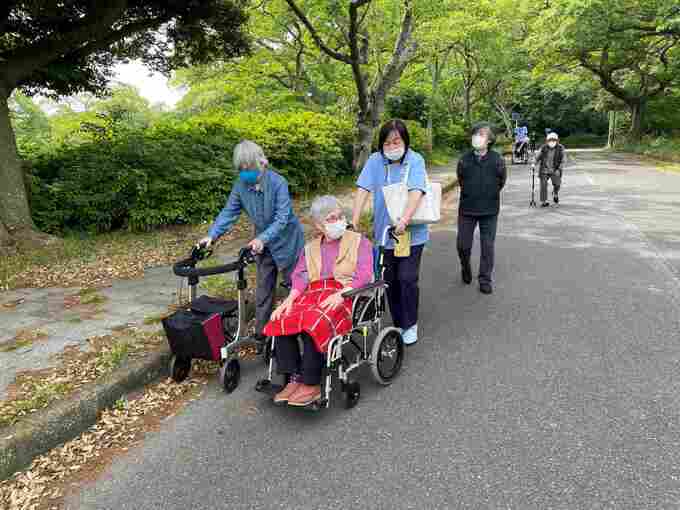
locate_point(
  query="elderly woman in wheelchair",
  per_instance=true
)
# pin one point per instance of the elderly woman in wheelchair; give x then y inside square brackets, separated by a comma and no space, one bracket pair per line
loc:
[333,302]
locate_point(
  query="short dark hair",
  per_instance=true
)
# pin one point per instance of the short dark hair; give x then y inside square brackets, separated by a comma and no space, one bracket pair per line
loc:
[485,125]
[398,126]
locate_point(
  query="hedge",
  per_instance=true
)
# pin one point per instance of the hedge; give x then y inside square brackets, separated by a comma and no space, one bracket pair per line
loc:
[178,170]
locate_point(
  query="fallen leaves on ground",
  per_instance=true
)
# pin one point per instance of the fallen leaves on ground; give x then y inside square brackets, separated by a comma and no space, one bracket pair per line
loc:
[98,261]
[43,485]
[36,389]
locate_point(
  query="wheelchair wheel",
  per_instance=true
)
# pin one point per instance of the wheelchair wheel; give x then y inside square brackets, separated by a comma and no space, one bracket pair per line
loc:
[387,355]
[230,375]
[179,368]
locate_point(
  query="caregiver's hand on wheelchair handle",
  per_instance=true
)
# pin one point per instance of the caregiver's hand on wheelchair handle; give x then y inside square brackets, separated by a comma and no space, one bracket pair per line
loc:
[400,227]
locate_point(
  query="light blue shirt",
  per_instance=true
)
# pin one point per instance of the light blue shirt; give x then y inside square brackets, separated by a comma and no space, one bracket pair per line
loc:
[271,211]
[377,172]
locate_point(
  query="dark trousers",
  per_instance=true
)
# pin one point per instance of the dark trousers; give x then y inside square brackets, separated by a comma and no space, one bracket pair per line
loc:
[556,178]
[267,273]
[401,276]
[289,361]
[487,235]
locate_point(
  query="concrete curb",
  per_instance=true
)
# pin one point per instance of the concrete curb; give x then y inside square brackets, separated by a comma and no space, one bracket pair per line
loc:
[64,420]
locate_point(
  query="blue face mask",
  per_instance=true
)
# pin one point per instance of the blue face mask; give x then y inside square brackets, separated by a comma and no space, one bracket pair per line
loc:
[249,176]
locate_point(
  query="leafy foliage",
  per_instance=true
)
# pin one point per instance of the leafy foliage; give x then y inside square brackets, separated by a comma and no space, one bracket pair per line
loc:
[177,170]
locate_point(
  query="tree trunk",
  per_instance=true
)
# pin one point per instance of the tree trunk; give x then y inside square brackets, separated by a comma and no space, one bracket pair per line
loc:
[611,138]
[363,143]
[467,106]
[5,239]
[14,209]
[506,118]
[636,112]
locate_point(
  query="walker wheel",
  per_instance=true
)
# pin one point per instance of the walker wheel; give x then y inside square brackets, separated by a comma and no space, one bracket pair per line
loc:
[179,368]
[230,375]
[352,394]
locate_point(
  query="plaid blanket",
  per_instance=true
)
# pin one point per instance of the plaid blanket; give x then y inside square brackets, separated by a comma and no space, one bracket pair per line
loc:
[306,315]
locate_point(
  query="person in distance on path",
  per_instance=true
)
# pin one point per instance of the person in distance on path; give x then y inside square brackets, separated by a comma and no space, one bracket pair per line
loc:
[550,159]
[481,177]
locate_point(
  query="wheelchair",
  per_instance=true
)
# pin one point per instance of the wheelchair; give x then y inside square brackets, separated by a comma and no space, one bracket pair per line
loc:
[369,342]
[520,152]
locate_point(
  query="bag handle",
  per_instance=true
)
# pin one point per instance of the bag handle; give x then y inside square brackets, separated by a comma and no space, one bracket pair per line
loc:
[407,166]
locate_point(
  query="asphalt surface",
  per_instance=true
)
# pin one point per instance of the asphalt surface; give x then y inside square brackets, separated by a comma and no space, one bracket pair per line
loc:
[561,390]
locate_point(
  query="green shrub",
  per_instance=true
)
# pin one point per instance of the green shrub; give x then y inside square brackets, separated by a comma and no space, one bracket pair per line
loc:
[584,140]
[452,136]
[660,147]
[178,170]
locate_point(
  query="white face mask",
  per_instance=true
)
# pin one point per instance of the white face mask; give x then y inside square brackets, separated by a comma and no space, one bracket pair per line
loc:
[552,144]
[394,154]
[479,142]
[336,229]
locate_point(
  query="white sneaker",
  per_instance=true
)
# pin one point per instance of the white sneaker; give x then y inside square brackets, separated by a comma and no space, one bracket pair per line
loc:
[410,335]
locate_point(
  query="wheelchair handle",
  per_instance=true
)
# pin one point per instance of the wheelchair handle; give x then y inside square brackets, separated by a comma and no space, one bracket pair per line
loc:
[362,290]
[389,232]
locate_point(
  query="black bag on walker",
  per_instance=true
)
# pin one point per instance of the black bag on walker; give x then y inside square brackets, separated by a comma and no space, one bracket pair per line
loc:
[198,332]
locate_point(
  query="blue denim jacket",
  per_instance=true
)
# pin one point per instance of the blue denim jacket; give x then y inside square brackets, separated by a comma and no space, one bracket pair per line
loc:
[271,210]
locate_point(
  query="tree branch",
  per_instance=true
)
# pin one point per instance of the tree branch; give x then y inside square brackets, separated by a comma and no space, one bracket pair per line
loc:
[404,49]
[315,35]
[25,61]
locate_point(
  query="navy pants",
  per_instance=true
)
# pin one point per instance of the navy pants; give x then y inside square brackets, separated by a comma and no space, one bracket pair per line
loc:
[309,365]
[487,237]
[267,274]
[401,276]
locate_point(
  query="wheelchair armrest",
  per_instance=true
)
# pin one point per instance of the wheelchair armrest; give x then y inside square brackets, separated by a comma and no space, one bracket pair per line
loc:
[363,290]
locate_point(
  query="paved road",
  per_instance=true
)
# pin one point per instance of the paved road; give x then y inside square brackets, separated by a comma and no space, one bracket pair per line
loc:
[559,391]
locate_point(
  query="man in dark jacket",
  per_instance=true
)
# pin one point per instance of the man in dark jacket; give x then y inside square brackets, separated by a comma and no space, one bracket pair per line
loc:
[550,159]
[481,177]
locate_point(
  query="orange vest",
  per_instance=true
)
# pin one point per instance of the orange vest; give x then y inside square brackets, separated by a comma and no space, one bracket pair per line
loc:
[345,264]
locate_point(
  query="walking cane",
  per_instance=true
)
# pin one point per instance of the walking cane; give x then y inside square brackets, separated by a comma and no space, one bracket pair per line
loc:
[533,192]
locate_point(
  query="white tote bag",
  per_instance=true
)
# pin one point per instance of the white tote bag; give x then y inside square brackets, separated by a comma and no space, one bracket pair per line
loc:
[396,199]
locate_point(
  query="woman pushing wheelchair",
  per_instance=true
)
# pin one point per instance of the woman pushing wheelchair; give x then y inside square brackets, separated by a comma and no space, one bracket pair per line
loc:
[336,261]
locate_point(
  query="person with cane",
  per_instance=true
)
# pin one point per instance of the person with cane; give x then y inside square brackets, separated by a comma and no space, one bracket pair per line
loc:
[550,159]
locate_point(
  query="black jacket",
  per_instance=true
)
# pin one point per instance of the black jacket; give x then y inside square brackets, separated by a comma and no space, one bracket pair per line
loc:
[558,162]
[481,182]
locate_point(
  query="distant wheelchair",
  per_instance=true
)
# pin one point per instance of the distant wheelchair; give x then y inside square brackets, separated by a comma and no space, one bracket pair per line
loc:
[369,342]
[520,152]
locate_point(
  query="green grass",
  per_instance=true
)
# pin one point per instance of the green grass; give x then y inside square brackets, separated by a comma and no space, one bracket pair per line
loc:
[219,286]
[42,394]
[442,157]
[154,319]
[658,148]
[89,296]
[584,141]
[14,345]
[111,358]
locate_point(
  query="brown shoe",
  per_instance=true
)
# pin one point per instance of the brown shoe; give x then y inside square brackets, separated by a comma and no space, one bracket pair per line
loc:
[305,395]
[285,394]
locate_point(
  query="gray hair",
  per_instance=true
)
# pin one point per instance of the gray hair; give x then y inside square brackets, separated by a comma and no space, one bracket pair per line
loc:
[250,155]
[324,205]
